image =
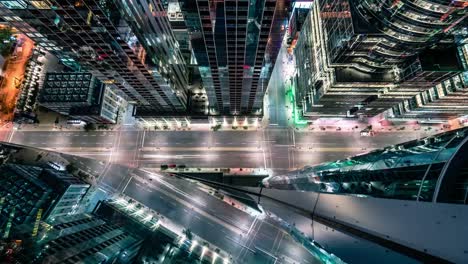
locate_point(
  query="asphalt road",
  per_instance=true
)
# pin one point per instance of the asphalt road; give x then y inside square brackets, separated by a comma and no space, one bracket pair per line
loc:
[275,104]
[247,238]
[224,226]
[275,148]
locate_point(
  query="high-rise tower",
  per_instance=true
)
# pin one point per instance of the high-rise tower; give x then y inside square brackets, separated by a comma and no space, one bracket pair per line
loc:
[132,48]
[235,43]
[364,57]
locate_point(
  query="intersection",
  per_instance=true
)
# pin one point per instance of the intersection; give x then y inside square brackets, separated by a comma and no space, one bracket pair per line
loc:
[279,149]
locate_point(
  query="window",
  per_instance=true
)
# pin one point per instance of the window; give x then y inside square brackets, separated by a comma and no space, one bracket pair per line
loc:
[19,4]
[40,4]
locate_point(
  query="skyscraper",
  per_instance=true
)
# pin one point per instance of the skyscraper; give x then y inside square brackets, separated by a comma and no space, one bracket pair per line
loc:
[132,48]
[88,239]
[235,43]
[445,101]
[31,192]
[380,53]
[377,36]
[394,200]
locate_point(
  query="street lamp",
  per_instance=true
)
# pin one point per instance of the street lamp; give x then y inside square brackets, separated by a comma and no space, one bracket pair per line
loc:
[194,244]
[255,122]
[234,123]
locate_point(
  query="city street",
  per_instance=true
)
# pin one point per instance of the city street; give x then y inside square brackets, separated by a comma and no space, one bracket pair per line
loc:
[247,238]
[280,149]
[13,76]
[275,102]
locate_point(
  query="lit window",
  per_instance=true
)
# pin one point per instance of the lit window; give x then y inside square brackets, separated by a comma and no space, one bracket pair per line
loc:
[20,4]
[40,4]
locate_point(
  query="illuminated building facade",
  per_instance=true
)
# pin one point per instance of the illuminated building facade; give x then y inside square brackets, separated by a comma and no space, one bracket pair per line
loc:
[82,96]
[131,48]
[442,102]
[29,191]
[377,36]
[89,239]
[381,53]
[235,44]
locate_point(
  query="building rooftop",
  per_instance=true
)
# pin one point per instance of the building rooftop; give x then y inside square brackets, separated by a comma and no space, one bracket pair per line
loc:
[68,87]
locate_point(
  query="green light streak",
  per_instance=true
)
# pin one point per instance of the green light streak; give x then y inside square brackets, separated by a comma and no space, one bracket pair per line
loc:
[291,94]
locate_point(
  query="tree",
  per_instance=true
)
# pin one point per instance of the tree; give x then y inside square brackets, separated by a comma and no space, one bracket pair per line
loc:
[188,234]
[71,168]
[216,127]
[5,41]
[89,127]
[39,156]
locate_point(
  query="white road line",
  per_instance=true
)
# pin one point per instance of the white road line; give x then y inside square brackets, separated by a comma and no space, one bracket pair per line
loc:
[294,137]
[123,190]
[11,134]
[143,140]
[263,150]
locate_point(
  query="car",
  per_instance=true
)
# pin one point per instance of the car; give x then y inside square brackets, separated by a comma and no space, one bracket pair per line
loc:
[370,133]
[367,132]
[172,166]
[74,122]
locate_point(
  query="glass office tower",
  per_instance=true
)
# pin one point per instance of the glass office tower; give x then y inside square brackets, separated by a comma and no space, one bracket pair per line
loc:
[235,43]
[129,46]
[377,35]
[434,168]
[381,53]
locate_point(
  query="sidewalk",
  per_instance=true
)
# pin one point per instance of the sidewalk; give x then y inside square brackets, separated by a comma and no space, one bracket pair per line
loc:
[48,118]
[63,126]
[378,129]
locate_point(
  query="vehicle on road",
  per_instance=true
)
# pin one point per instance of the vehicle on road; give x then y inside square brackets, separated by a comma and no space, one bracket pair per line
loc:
[74,122]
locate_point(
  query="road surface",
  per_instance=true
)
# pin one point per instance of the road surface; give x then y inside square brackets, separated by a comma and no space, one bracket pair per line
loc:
[249,239]
[279,149]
